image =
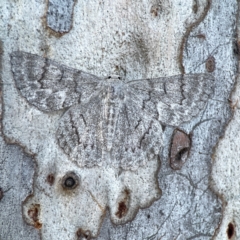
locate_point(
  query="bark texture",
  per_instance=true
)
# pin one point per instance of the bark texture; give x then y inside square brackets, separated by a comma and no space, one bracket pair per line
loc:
[171,196]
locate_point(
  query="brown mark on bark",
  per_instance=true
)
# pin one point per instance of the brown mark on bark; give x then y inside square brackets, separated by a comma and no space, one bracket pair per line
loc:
[33,213]
[180,147]
[154,10]
[123,205]
[70,181]
[200,36]
[81,234]
[210,64]
[236,48]
[1,193]
[195,6]
[230,231]
[50,179]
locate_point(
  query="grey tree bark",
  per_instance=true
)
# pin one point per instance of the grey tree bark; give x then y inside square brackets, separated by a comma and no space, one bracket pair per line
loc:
[181,182]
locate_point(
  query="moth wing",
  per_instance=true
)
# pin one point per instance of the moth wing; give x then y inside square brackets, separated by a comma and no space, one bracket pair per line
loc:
[175,99]
[138,133]
[48,85]
[79,133]
[138,137]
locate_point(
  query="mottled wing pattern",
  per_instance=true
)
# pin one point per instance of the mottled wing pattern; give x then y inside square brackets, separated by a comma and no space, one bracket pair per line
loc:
[177,99]
[79,133]
[48,85]
[135,136]
[109,122]
[138,135]
[167,100]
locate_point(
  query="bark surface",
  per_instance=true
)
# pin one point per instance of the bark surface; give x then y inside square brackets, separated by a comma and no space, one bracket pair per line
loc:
[45,192]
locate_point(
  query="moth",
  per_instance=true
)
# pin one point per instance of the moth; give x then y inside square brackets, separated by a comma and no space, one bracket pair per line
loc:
[109,121]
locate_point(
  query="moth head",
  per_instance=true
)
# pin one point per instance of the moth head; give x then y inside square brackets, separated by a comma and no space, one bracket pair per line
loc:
[113,87]
[112,78]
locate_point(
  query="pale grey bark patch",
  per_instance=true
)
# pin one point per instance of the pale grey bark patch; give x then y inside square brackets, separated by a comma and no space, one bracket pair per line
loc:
[60,15]
[16,180]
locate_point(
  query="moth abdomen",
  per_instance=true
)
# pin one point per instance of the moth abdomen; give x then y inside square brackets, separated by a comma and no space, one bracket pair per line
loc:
[110,125]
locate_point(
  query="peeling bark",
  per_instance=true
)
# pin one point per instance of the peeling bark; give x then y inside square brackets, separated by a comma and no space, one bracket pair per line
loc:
[60,15]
